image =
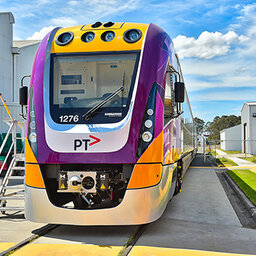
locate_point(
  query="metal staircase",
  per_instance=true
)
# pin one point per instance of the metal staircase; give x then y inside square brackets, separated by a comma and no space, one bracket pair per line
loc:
[12,190]
[12,187]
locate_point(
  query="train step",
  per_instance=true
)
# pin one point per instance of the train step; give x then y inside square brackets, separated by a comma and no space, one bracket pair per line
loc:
[14,187]
[20,157]
[16,177]
[14,209]
[12,197]
[18,168]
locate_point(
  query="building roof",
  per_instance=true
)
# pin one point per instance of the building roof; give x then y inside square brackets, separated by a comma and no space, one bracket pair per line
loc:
[11,17]
[249,103]
[25,43]
[236,126]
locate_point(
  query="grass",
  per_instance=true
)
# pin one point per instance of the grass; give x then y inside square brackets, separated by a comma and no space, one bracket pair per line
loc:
[231,151]
[225,162]
[246,180]
[251,159]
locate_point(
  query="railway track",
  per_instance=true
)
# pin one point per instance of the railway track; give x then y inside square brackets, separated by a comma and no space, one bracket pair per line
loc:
[127,247]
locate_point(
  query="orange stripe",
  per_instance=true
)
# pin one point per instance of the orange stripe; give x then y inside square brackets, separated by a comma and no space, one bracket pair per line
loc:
[33,176]
[145,175]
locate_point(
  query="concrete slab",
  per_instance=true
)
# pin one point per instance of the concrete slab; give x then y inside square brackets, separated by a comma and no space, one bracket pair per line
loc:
[202,200]
[103,236]
[14,229]
[169,233]
[200,218]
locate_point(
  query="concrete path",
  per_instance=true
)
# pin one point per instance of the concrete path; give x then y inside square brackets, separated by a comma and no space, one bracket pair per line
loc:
[240,162]
[237,160]
[220,152]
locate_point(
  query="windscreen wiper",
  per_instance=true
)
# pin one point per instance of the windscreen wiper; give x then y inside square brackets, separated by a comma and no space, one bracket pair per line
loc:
[89,113]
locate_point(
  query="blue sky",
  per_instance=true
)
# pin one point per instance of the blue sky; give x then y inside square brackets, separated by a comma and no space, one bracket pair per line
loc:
[214,39]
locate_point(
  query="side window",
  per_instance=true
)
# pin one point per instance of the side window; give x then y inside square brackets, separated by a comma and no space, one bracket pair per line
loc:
[169,103]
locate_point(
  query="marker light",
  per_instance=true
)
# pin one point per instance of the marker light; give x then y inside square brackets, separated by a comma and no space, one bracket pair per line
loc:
[148,123]
[147,136]
[32,137]
[32,125]
[132,35]
[87,37]
[108,36]
[32,113]
[150,112]
[64,38]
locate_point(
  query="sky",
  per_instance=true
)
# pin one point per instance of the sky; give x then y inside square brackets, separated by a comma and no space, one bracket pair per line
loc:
[215,40]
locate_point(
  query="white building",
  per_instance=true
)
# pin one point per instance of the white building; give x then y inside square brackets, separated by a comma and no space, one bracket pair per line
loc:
[16,60]
[248,129]
[231,138]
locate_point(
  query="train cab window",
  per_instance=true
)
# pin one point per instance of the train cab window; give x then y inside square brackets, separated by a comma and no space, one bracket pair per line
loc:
[79,83]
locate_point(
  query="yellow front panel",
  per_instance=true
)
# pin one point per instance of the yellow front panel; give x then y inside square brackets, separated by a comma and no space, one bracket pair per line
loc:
[97,44]
[33,176]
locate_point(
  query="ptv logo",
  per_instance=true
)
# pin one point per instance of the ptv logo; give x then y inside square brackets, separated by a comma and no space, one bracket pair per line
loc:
[85,142]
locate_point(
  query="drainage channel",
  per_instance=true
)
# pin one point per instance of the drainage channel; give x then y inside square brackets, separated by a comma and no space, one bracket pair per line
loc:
[127,247]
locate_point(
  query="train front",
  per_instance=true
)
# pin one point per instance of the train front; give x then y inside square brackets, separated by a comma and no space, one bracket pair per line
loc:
[94,147]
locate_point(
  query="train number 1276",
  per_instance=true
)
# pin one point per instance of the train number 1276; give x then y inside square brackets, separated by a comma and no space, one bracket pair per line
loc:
[69,118]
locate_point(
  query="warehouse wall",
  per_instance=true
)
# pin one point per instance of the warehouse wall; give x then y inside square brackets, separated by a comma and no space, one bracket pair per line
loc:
[6,67]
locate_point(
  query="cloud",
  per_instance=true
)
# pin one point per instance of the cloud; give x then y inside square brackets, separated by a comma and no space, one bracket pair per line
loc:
[64,22]
[41,34]
[208,44]
[227,95]
[73,3]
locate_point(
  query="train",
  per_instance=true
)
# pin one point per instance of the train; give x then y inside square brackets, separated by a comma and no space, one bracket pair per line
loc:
[110,131]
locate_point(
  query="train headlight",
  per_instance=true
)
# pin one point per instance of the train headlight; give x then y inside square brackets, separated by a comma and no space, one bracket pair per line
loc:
[32,137]
[87,37]
[147,136]
[132,35]
[150,112]
[64,38]
[32,113]
[32,125]
[148,123]
[108,36]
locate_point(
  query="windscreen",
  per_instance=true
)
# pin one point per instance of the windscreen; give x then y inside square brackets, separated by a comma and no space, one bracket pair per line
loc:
[80,83]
